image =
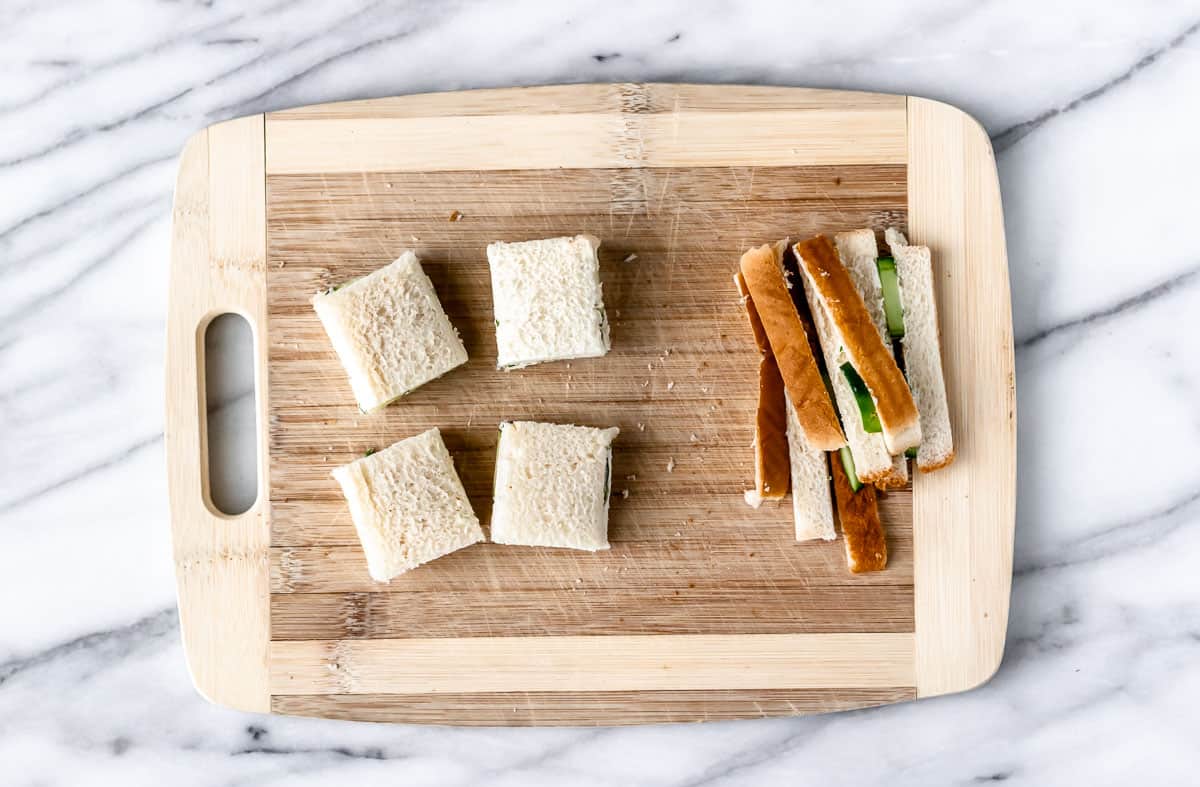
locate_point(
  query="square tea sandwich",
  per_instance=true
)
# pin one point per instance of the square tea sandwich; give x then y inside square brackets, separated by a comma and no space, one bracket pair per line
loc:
[547,301]
[408,505]
[390,332]
[552,485]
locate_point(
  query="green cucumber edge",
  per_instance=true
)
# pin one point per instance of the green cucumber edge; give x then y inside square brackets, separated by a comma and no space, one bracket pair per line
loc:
[848,466]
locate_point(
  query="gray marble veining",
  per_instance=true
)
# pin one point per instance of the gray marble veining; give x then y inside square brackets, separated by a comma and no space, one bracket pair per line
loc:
[1093,111]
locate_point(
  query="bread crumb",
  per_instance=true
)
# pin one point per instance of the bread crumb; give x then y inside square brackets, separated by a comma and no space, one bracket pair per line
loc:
[641,427]
[669,351]
[333,666]
[693,437]
[578,580]
[631,477]
[671,465]
[704,389]
[649,367]
[678,534]
[670,385]
[645,383]
[415,239]
[456,215]
[624,494]
[631,258]
[387,185]
[568,364]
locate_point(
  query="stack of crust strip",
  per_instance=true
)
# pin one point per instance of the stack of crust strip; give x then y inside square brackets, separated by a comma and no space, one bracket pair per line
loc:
[872,460]
[763,273]
[835,292]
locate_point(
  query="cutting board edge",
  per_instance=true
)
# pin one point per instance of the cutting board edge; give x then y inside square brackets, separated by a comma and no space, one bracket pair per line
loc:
[218,265]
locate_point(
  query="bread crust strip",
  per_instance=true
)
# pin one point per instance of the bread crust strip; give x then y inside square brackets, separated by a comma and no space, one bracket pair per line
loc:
[858,513]
[771,460]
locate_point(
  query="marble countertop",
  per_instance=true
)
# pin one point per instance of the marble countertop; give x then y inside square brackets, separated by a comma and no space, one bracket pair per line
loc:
[1093,112]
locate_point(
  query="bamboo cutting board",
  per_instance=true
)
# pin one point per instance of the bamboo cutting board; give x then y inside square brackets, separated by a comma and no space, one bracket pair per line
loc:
[703,608]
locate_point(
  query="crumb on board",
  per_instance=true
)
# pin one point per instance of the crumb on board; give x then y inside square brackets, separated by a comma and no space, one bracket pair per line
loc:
[671,464]
[641,427]
[631,477]
[631,257]
[387,185]
[693,437]
[704,389]
[456,215]
[678,534]
[624,494]
[645,383]
[670,385]
[649,367]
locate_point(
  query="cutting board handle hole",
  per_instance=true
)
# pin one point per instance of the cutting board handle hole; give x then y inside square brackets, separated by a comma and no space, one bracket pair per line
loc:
[229,397]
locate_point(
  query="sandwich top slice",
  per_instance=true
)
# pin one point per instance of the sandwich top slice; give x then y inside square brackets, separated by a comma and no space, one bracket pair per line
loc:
[872,368]
[408,505]
[548,301]
[390,332]
[770,420]
[552,487]
[763,272]
[922,352]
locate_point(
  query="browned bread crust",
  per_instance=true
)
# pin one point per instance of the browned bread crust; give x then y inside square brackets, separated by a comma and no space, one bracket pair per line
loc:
[872,360]
[858,512]
[771,461]
[789,343]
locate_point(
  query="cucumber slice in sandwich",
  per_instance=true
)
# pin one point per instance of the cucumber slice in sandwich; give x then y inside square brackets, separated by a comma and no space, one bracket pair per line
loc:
[848,466]
[911,453]
[866,405]
[889,283]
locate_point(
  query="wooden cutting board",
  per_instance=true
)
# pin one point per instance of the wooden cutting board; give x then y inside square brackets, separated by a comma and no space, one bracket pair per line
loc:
[703,608]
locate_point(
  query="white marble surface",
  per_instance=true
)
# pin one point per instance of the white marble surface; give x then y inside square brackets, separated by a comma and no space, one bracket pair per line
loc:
[1094,112]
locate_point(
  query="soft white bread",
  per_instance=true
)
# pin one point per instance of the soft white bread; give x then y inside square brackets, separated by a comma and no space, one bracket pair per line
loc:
[812,506]
[922,351]
[548,301]
[858,252]
[853,329]
[390,332]
[871,458]
[552,485]
[770,419]
[762,269]
[408,505]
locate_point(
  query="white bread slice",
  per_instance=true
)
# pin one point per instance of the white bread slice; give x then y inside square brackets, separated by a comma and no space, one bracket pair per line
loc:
[548,301]
[770,419]
[922,351]
[408,505]
[853,329]
[812,506]
[858,252]
[390,332]
[871,458]
[552,485]
[762,268]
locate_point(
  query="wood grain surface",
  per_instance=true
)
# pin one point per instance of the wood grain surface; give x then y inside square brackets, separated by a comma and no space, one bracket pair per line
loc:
[703,608]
